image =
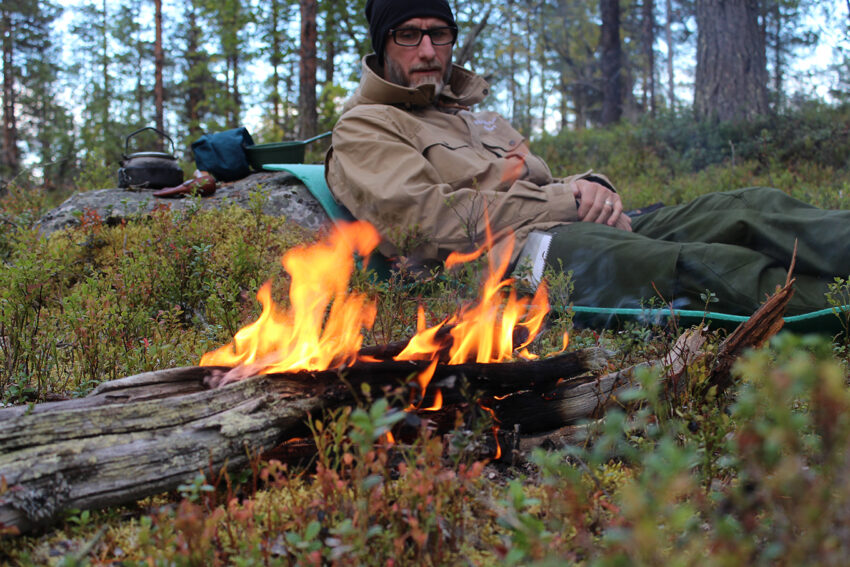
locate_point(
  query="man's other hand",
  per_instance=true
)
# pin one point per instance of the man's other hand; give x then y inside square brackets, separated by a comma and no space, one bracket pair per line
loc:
[599,204]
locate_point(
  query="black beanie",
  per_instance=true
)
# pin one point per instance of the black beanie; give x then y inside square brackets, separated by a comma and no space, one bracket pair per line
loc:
[383,15]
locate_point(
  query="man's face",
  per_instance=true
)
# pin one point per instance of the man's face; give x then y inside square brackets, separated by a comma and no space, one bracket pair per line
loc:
[421,64]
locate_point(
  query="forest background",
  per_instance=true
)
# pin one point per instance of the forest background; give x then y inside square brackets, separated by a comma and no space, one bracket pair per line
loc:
[79,76]
[670,98]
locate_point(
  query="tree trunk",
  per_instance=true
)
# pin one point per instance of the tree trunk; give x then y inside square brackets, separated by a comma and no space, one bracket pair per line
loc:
[159,63]
[512,86]
[580,103]
[194,63]
[731,74]
[463,53]
[330,44]
[107,92]
[563,106]
[778,63]
[11,152]
[668,37]
[529,72]
[612,62]
[235,115]
[275,60]
[648,17]
[308,114]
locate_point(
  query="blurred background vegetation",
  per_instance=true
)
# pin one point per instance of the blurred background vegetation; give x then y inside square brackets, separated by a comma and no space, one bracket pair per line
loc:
[78,76]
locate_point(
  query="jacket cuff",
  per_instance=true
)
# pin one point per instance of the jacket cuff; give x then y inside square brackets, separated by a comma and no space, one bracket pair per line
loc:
[562,202]
[591,175]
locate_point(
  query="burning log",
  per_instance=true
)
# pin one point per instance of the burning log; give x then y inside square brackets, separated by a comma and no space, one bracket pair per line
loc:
[149,433]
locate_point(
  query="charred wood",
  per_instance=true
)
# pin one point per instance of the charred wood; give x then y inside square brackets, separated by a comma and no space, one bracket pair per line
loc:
[149,433]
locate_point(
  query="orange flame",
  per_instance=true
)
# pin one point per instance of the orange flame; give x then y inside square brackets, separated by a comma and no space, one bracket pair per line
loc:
[425,376]
[322,328]
[495,430]
[484,332]
[438,402]
[566,342]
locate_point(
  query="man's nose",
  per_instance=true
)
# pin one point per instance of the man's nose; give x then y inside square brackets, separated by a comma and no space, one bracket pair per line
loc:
[426,48]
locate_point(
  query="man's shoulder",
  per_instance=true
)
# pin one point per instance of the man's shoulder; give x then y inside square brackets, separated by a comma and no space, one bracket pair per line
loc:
[379,116]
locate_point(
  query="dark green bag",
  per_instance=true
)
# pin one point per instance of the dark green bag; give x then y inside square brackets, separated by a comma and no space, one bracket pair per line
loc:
[223,154]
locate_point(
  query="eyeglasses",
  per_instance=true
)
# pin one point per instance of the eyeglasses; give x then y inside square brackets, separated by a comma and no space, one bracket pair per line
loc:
[411,37]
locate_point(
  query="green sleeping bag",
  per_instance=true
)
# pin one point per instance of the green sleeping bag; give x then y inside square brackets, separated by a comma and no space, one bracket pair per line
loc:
[824,321]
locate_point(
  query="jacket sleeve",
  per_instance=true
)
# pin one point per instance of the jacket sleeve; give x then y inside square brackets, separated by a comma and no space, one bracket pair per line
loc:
[382,177]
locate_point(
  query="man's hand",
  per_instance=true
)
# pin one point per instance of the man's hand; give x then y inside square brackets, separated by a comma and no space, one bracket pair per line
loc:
[599,204]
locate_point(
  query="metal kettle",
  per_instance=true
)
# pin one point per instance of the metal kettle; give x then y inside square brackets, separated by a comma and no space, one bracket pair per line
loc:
[149,169]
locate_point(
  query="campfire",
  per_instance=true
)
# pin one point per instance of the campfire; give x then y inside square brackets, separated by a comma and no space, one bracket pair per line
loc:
[322,328]
[145,434]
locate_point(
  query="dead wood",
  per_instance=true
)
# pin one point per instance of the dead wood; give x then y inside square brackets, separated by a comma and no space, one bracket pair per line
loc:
[148,434]
[490,378]
[96,456]
[752,333]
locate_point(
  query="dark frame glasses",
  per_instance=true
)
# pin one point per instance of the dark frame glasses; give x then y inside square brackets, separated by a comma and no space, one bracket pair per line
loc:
[411,37]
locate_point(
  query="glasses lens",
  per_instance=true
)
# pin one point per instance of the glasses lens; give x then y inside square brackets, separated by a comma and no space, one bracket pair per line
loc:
[407,36]
[442,36]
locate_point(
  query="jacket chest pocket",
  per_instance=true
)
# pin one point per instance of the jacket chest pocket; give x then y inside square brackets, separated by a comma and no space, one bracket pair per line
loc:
[456,164]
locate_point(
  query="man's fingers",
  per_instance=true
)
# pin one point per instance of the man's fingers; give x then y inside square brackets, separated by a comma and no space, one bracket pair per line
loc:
[615,205]
[624,222]
[597,207]
[597,203]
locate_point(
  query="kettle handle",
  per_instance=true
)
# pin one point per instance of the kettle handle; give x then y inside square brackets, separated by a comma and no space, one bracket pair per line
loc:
[161,133]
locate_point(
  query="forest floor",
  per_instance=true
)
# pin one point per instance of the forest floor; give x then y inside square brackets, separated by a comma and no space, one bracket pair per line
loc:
[756,474]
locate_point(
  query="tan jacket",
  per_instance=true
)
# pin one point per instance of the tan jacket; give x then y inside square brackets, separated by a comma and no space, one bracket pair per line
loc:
[423,173]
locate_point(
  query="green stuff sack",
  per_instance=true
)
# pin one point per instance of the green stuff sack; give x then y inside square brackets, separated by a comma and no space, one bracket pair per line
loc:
[223,154]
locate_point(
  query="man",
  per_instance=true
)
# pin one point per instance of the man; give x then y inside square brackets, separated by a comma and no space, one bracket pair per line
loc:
[410,157]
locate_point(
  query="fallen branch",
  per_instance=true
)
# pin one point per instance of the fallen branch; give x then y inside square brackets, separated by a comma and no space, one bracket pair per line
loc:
[147,434]
[752,333]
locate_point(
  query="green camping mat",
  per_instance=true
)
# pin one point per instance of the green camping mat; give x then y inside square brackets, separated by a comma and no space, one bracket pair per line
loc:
[823,321]
[313,178]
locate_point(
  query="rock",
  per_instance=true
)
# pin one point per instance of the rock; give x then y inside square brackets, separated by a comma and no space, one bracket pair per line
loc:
[282,195]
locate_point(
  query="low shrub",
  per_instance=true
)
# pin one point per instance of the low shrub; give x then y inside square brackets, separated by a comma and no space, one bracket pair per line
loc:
[97,303]
[673,158]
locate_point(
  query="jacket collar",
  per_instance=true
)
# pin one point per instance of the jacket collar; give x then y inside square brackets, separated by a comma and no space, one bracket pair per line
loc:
[465,88]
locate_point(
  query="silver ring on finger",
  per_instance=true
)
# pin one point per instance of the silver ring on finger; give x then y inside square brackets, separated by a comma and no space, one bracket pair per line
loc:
[609,203]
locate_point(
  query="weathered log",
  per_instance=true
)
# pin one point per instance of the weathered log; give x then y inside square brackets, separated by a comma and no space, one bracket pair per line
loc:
[147,434]
[91,457]
[566,404]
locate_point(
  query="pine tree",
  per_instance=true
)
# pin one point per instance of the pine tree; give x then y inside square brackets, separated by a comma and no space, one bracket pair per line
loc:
[231,22]
[612,62]
[25,36]
[100,135]
[731,77]
[47,126]
[308,117]
[278,49]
